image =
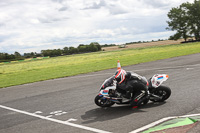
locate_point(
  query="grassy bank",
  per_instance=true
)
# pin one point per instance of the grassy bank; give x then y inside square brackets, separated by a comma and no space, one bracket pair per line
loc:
[27,72]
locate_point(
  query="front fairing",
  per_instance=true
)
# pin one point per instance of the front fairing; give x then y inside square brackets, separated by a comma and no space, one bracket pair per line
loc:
[104,92]
[108,82]
[158,79]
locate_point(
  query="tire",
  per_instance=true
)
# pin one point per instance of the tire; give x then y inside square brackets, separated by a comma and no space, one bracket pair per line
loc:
[100,101]
[162,91]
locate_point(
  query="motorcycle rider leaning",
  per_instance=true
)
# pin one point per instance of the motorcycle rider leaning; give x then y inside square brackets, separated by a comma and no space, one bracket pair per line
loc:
[133,86]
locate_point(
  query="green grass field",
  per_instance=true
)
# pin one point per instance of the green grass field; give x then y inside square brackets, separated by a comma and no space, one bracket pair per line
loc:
[32,71]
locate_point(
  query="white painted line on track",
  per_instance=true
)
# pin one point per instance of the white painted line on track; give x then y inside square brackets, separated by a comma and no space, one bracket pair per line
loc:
[55,120]
[160,121]
[164,68]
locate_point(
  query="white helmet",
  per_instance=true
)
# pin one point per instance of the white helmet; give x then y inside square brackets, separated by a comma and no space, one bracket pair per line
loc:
[120,75]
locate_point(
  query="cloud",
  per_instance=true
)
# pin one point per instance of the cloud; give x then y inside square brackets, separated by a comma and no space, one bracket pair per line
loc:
[59,1]
[36,25]
[114,7]
[96,5]
[63,8]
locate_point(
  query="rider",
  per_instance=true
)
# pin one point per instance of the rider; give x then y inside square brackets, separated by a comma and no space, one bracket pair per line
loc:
[129,83]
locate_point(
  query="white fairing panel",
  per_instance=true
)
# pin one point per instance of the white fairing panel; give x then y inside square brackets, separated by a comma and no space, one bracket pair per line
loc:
[158,79]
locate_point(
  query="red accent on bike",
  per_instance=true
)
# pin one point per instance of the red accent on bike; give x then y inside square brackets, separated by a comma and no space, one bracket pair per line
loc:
[147,83]
[135,107]
[135,100]
[105,91]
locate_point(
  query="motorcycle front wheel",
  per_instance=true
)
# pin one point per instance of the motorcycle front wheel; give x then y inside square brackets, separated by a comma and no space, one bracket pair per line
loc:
[103,102]
[163,92]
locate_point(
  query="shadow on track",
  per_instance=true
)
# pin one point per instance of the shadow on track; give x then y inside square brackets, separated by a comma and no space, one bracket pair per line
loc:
[108,113]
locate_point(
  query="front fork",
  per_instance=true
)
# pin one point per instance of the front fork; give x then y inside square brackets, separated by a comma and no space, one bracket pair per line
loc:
[155,97]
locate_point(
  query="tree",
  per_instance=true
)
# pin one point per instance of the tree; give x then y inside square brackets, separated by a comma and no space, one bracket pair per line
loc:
[194,18]
[17,54]
[66,50]
[97,45]
[185,19]
[93,47]
[73,50]
[59,52]
[46,52]
[83,48]
[179,21]
[175,36]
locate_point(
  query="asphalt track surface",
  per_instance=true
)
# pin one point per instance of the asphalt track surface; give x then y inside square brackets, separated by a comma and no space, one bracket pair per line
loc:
[67,104]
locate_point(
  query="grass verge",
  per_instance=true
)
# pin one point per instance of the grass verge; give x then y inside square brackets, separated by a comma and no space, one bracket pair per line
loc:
[27,72]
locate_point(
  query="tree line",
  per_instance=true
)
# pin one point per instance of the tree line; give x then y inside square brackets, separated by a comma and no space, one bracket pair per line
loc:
[185,20]
[4,57]
[92,47]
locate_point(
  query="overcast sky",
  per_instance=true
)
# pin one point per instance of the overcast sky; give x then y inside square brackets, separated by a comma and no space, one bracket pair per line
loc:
[35,25]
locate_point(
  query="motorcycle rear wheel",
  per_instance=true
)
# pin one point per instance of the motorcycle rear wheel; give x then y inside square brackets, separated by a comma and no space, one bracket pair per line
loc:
[162,91]
[100,101]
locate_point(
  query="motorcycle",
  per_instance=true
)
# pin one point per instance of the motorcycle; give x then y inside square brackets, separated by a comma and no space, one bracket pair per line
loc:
[108,95]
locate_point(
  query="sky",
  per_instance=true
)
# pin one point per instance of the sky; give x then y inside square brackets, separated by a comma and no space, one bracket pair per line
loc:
[34,25]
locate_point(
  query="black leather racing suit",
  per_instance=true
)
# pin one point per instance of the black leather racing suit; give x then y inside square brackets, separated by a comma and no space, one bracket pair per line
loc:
[134,87]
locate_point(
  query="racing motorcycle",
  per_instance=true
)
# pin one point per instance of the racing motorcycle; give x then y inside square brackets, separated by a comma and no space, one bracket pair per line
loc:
[108,95]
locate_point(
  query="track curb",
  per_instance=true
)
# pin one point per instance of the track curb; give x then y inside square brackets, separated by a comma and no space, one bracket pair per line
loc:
[169,123]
